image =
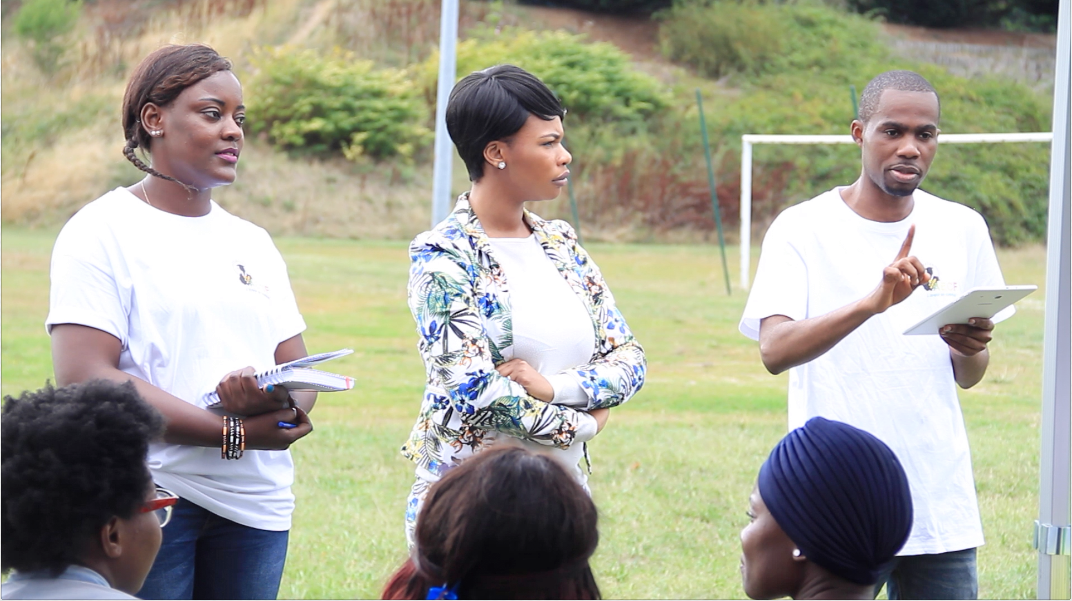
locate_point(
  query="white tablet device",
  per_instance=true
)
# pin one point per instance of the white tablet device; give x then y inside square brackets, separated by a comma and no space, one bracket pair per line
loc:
[977,302]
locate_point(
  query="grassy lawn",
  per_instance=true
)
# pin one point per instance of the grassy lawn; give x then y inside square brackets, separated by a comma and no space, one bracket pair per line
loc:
[672,470]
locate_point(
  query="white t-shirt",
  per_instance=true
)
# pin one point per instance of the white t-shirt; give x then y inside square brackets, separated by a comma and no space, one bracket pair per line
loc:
[819,256]
[190,299]
[552,331]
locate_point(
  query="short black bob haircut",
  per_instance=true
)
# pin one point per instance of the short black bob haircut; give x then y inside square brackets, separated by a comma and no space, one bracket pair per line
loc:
[73,458]
[494,104]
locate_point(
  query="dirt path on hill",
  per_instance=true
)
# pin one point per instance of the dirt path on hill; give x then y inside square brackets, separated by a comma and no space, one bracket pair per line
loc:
[639,35]
[984,37]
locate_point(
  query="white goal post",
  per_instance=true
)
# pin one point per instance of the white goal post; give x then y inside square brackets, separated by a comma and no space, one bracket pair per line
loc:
[748,140]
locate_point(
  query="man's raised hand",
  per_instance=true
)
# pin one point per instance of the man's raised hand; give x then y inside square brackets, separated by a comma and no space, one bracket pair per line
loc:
[899,278]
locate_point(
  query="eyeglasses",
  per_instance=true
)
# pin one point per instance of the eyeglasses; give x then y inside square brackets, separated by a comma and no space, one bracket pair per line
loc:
[161,505]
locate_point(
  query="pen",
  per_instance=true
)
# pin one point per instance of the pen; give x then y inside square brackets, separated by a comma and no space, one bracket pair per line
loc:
[287,425]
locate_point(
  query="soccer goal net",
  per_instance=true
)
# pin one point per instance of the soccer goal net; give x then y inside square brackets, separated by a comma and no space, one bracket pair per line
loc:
[749,140]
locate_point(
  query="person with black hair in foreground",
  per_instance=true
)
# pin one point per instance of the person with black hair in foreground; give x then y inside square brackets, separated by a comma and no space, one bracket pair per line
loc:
[519,333]
[505,524]
[830,510]
[81,515]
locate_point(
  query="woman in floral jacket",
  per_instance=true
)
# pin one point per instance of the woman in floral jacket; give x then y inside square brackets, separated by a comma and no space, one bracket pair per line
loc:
[519,333]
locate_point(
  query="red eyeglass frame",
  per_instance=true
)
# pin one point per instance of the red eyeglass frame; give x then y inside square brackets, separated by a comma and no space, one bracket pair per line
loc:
[156,504]
[159,503]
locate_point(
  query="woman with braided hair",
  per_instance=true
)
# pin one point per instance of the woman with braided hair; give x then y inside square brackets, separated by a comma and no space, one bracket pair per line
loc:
[157,284]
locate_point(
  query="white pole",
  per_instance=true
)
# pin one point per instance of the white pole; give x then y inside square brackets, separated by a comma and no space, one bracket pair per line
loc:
[1052,530]
[444,153]
[746,212]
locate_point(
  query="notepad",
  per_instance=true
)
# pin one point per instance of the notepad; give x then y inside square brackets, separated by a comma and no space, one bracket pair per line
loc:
[977,302]
[298,375]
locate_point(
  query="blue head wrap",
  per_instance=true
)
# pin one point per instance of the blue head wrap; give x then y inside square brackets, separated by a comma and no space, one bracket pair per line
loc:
[842,497]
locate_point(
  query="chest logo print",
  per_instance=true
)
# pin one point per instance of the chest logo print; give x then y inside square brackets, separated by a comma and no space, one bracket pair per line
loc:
[244,277]
[932,283]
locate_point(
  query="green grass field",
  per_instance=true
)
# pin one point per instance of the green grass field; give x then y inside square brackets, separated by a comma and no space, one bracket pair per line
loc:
[674,467]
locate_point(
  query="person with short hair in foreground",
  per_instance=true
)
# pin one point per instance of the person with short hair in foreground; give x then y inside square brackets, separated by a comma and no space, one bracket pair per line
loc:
[830,510]
[507,523]
[82,518]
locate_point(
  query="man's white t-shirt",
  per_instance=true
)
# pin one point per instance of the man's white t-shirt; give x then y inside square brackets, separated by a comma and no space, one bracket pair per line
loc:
[552,331]
[190,299]
[819,256]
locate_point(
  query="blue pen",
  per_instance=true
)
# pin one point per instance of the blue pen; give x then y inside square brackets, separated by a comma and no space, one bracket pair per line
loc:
[287,425]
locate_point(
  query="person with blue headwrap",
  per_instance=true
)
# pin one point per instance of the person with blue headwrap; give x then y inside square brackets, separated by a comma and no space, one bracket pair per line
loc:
[830,510]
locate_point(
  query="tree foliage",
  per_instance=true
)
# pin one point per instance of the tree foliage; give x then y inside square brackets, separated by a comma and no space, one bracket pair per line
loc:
[804,89]
[1032,14]
[45,25]
[322,103]
[595,81]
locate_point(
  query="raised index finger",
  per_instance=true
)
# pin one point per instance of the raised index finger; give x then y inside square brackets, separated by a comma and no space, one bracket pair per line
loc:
[907,246]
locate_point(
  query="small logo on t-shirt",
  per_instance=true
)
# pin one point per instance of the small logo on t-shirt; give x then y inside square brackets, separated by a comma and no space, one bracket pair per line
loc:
[244,277]
[938,285]
[932,282]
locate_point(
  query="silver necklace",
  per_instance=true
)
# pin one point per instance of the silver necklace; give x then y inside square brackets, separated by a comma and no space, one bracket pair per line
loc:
[145,193]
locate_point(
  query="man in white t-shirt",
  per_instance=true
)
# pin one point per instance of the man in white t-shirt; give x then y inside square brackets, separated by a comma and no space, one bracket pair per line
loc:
[839,280]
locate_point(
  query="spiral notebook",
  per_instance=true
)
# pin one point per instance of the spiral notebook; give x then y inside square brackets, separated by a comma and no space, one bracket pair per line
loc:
[298,375]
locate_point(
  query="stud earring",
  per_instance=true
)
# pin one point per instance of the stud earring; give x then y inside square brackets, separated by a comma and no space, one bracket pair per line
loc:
[501,165]
[796,552]
[156,133]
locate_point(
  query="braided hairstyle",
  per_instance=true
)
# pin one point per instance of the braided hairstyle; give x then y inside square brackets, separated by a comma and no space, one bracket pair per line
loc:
[159,79]
[73,458]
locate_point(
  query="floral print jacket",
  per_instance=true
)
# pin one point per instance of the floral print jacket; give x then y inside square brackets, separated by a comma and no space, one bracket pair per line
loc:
[460,299]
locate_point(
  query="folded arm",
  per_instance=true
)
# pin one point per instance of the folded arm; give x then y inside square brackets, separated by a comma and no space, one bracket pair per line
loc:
[457,353]
[618,368]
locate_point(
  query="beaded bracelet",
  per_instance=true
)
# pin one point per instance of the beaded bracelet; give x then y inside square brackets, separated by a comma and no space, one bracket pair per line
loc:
[234,438]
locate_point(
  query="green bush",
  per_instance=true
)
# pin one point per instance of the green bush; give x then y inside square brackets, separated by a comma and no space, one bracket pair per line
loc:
[721,39]
[307,101]
[725,38]
[595,81]
[609,6]
[805,90]
[45,24]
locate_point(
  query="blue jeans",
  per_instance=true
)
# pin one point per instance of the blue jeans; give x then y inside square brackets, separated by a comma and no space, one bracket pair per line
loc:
[950,575]
[204,556]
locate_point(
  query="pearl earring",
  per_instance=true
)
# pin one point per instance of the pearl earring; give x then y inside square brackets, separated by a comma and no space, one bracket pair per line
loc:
[796,552]
[156,133]
[501,165]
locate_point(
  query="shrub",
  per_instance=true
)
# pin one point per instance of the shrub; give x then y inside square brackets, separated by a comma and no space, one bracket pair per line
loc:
[805,90]
[721,39]
[306,101]
[614,6]
[595,81]
[725,38]
[45,24]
